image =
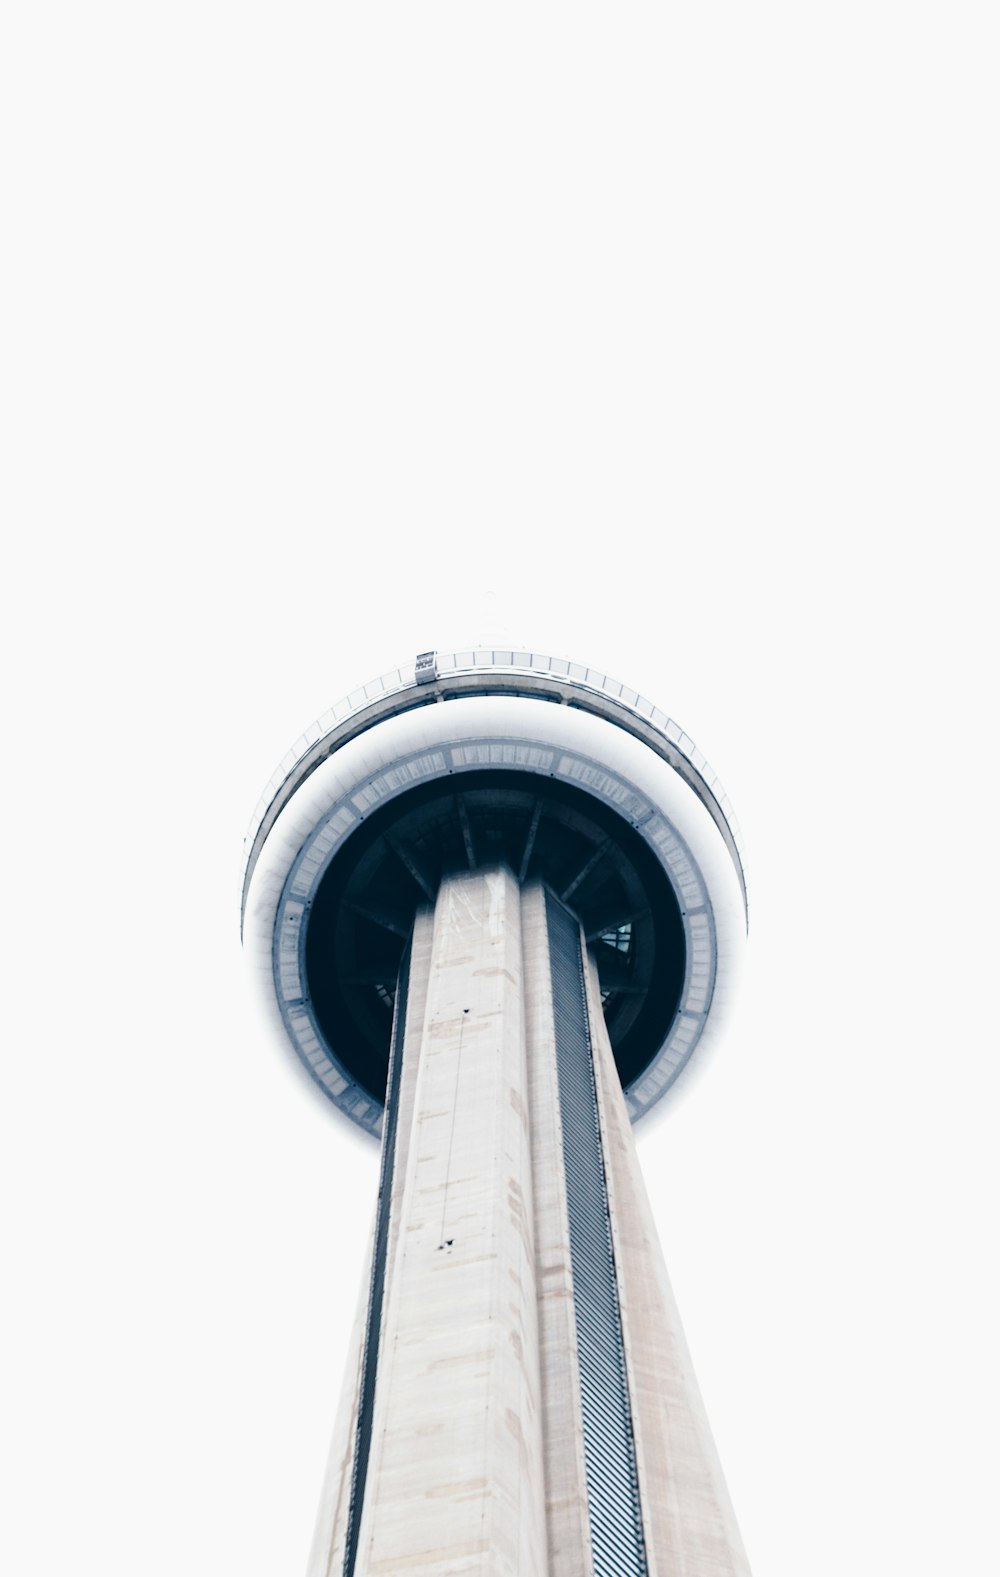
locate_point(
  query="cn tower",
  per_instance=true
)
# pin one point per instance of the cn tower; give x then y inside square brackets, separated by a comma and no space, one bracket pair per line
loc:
[494,902]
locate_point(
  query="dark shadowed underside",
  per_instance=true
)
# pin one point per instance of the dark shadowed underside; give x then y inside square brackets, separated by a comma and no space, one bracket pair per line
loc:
[543,829]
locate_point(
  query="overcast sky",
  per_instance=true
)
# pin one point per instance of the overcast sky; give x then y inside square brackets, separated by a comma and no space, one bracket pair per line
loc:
[663,337]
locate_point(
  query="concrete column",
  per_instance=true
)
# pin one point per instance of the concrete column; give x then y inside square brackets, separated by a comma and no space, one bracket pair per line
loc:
[330,1537]
[567,1519]
[455,1478]
[688,1520]
[480,1464]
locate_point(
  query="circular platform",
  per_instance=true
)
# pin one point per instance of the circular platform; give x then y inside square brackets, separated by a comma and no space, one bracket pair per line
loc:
[474,759]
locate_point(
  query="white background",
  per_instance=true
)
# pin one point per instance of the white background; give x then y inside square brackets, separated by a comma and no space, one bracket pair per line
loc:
[665,337]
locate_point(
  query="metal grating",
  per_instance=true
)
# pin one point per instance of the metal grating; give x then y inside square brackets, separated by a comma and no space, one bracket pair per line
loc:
[376,1295]
[616,1536]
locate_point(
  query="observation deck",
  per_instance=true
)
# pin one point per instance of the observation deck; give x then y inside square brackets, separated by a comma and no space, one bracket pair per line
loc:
[480,758]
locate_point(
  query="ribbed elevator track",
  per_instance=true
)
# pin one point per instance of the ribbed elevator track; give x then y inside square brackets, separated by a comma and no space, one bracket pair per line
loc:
[616,1532]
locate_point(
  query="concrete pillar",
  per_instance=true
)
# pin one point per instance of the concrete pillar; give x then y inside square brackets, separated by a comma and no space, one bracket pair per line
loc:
[532,1405]
[454,1481]
[567,1521]
[690,1526]
[329,1547]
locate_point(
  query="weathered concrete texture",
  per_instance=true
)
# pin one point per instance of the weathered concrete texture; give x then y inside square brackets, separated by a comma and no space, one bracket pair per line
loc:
[688,1520]
[455,1477]
[330,1537]
[477,1464]
[567,1520]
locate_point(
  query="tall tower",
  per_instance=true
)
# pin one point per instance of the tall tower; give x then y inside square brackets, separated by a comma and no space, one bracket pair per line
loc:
[495,903]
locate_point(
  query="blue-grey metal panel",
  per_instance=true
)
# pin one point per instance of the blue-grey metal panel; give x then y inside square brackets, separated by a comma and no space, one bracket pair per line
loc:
[616,1532]
[376,1294]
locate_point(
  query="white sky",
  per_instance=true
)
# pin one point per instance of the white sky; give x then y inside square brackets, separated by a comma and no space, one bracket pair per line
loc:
[665,337]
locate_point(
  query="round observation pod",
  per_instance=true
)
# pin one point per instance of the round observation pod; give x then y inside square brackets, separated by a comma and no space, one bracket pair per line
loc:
[483,758]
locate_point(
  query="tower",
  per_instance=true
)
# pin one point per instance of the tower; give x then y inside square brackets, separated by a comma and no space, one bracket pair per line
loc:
[495,903]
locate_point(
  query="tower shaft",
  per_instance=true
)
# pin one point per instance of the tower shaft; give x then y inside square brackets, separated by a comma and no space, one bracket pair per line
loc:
[521,1399]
